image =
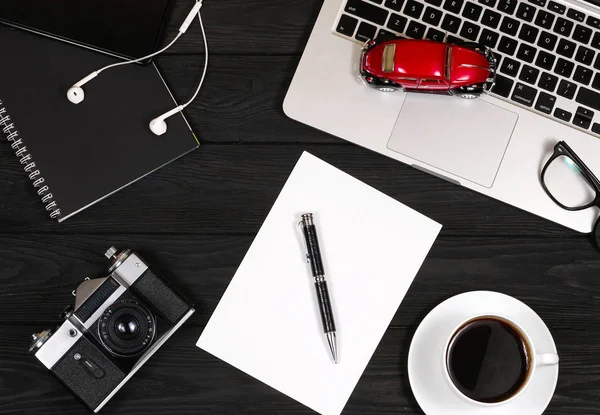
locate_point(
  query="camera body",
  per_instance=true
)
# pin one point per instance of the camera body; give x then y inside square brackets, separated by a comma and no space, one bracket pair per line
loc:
[117,323]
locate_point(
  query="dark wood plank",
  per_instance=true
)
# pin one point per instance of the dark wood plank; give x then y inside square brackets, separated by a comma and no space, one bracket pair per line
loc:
[241,100]
[182,379]
[40,271]
[230,189]
[238,27]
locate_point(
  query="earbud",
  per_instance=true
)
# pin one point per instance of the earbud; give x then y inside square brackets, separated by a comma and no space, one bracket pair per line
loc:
[158,125]
[75,94]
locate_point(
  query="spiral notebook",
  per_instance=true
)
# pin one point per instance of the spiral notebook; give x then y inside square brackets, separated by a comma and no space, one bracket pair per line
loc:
[76,155]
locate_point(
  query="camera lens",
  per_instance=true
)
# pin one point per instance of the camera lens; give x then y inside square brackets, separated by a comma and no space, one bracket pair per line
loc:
[126,328]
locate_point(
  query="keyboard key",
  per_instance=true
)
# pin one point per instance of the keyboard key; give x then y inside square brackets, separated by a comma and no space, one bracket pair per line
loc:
[596,83]
[472,11]
[525,12]
[593,21]
[581,121]
[470,31]
[524,94]
[547,40]
[528,33]
[583,117]
[545,60]
[576,15]
[433,34]
[529,74]
[489,38]
[507,45]
[415,30]
[489,3]
[556,7]
[583,75]
[451,23]
[434,2]
[596,128]
[544,19]
[510,67]
[566,89]
[453,40]
[596,40]
[582,34]
[585,55]
[432,16]
[588,98]
[507,6]
[548,81]
[564,68]
[509,26]
[413,9]
[385,34]
[367,11]
[377,1]
[490,19]
[566,48]
[562,114]
[597,63]
[541,3]
[347,25]
[453,6]
[497,58]
[397,23]
[526,52]
[584,112]
[563,27]
[545,103]
[502,86]
[395,5]
[365,32]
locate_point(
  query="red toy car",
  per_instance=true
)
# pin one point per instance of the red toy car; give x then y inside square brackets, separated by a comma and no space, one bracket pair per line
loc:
[426,66]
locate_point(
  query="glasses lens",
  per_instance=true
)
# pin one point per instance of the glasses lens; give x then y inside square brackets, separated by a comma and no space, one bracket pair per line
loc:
[567,183]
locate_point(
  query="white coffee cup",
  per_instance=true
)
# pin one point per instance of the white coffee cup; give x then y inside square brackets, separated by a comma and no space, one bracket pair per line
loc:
[537,360]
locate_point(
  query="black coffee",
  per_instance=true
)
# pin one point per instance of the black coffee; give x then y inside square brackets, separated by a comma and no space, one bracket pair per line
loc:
[488,360]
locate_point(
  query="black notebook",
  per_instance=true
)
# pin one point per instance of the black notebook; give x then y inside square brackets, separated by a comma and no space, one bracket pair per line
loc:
[76,155]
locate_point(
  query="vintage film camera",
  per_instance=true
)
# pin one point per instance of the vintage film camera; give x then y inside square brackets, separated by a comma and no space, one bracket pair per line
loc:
[118,322]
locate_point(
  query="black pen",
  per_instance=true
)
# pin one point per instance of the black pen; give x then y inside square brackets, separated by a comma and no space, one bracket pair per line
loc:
[313,256]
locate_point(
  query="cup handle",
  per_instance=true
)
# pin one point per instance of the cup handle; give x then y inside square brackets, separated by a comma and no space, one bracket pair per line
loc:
[547,359]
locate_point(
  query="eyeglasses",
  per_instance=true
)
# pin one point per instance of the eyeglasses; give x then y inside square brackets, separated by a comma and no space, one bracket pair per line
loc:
[571,184]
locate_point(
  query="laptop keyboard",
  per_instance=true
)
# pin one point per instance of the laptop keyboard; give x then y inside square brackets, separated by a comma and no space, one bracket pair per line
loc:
[548,55]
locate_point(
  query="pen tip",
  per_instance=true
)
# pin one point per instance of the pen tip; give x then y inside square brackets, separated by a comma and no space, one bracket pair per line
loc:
[333,346]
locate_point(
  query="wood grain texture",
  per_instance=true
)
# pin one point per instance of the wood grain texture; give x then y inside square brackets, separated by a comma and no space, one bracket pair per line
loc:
[238,27]
[195,219]
[242,100]
[231,188]
[43,269]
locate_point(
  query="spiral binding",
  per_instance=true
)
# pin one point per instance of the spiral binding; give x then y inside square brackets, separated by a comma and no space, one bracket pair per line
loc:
[12,135]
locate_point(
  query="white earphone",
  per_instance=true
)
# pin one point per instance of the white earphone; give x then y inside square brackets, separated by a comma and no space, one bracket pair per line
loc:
[158,126]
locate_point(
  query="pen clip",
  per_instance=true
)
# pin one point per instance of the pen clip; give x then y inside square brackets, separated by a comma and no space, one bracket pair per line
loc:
[305,242]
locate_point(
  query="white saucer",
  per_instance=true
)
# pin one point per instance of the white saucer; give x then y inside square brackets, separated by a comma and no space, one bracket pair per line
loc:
[426,356]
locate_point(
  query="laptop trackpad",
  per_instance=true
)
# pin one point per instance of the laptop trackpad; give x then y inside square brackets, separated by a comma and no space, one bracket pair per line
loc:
[465,137]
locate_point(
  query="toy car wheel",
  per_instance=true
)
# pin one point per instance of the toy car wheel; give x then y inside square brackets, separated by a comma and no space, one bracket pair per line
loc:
[469,92]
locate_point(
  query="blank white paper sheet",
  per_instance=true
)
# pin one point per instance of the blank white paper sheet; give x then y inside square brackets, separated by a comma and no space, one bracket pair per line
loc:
[267,324]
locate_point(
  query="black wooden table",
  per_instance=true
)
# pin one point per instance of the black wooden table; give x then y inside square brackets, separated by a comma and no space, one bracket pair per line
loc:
[195,219]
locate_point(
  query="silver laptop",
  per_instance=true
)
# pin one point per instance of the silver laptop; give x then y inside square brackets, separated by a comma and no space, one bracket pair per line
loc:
[547,90]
